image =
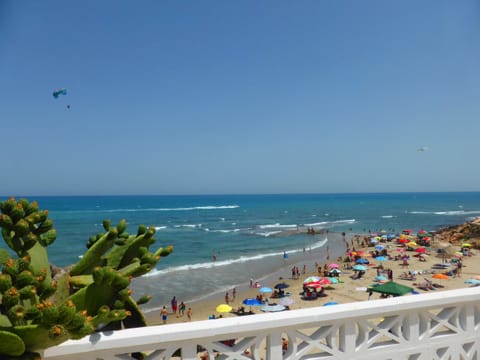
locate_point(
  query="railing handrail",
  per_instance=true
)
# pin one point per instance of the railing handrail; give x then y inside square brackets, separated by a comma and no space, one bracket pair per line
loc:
[151,337]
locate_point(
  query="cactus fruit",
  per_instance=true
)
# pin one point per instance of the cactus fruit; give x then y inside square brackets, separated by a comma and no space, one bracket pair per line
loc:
[36,311]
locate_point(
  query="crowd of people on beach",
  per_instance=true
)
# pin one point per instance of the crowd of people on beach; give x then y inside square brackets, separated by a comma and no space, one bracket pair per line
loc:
[390,259]
[357,248]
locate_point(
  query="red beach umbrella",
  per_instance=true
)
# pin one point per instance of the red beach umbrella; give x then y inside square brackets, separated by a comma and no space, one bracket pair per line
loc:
[321,281]
[403,241]
[421,250]
[314,285]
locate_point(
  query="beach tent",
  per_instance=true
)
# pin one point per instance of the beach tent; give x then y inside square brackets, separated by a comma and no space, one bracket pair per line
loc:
[391,288]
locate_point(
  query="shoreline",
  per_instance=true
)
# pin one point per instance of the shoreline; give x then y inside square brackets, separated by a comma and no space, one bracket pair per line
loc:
[283,273]
[348,290]
[273,268]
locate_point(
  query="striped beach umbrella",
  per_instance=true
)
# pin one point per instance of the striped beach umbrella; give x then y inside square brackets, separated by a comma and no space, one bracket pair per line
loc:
[311,279]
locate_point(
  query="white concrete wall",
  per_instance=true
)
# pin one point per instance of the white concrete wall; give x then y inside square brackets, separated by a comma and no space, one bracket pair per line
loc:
[439,325]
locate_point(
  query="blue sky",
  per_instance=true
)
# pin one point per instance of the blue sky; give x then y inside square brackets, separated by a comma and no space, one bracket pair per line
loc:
[202,97]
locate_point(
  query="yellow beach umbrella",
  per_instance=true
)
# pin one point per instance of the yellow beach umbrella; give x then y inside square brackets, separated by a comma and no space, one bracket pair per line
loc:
[466,245]
[412,243]
[223,308]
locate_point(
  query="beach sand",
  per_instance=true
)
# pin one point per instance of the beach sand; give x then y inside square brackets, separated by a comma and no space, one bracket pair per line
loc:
[348,290]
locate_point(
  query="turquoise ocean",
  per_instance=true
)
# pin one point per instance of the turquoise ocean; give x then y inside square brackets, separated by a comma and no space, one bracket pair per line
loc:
[247,233]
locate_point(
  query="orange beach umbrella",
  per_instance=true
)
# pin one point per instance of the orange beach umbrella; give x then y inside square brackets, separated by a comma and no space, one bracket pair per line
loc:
[440,276]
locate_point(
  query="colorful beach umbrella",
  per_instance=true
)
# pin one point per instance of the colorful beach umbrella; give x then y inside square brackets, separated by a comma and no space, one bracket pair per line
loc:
[472,281]
[333,280]
[359,267]
[466,245]
[362,261]
[333,266]
[281,286]
[263,290]
[440,276]
[379,247]
[412,243]
[311,279]
[223,308]
[421,250]
[381,258]
[403,240]
[251,302]
[322,281]
[314,285]
[330,303]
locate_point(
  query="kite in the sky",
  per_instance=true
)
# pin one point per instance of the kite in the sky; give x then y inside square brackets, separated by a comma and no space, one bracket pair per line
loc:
[58,92]
[422,149]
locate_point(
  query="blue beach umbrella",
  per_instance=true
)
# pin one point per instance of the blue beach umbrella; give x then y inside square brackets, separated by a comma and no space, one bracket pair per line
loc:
[380,278]
[379,247]
[263,290]
[359,267]
[362,261]
[330,303]
[333,280]
[251,302]
[281,286]
[472,281]
[381,258]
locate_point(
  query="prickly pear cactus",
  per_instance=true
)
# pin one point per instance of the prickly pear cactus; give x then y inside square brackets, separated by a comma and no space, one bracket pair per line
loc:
[37,311]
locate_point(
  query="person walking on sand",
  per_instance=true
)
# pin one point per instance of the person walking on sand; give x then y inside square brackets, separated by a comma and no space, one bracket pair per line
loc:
[189,314]
[234,293]
[459,268]
[174,305]
[227,298]
[164,314]
[181,311]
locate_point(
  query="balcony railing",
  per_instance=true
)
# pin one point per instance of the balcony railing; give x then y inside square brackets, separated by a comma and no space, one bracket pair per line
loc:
[438,325]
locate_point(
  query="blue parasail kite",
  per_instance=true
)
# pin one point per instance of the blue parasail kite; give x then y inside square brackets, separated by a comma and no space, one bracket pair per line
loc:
[58,92]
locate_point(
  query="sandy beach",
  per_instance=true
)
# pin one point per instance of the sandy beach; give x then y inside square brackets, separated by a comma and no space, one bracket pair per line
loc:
[349,289]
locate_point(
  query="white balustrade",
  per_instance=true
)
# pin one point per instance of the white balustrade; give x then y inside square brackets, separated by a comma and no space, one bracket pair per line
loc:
[438,325]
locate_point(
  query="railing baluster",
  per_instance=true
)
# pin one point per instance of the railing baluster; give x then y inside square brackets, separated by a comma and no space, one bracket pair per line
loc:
[443,325]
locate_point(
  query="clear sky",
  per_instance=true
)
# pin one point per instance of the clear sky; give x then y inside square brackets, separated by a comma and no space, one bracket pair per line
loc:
[203,97]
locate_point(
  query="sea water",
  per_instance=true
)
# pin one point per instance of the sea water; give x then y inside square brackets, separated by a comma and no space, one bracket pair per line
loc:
[247,234]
